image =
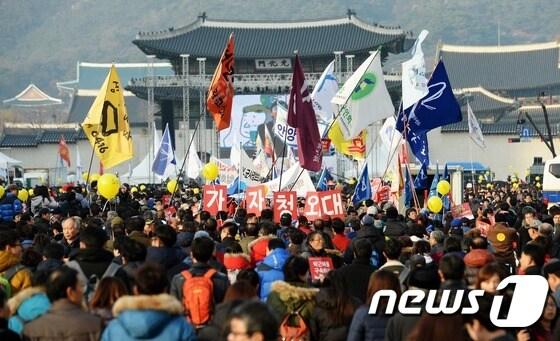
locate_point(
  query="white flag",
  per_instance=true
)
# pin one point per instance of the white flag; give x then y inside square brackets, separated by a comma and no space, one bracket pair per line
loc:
[244,164]
[322,94]
[364,98]
[79,168]
[281,127]
[414,81]
[290,179]
[164,162]
[194,165]
[474,129]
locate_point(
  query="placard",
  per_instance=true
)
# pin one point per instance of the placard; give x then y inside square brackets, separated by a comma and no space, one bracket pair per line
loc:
[284,202]
[255,199]
[214,198]
[319,267]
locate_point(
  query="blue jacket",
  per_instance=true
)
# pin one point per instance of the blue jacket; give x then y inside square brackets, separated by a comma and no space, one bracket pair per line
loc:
[157,317]
[9,207]
[29,304]
[271,270]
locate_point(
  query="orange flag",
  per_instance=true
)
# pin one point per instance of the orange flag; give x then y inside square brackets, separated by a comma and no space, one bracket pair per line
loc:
[64,151]
[220,93]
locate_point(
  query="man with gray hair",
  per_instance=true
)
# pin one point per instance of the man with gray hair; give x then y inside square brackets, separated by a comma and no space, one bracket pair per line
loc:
[71,231]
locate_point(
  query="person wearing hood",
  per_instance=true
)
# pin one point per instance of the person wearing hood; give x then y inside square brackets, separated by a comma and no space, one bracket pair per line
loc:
[270,270]
[29,304]
[151,314]
[293,293]
[65,320]
[10,262]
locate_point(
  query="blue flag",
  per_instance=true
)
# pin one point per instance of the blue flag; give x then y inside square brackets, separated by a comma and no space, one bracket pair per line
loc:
[236,187]
[433,187]
[438,108]
[419,147]
[421,181]
[363,188]
[324,178]
[407,189]
[164,161]
[446,173]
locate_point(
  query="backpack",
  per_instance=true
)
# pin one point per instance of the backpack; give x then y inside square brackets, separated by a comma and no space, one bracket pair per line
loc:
[6,278]
[91,283]
[293,327]
[198,297]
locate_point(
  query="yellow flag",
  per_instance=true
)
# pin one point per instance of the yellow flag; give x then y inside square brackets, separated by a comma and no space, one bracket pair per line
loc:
[106,124]
[355,147]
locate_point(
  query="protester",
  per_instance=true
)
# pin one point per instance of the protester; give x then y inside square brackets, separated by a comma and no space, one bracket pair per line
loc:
[151,313]
[10,205]
[252,321]
[6,333]
[108,291]
[29,304]
[355,276]
[65,320]
[270,270]
[16,276]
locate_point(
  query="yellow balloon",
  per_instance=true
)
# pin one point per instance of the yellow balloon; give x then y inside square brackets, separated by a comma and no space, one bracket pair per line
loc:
[2,190]
[538,178]
[210,171]
[196,190]
[538,184]
[94,177]
[23,195]
[435,204]
[443,187]
[133,190]
[172,186]
[31,192]
[480,177]
[108,186]
[489,186]
[142,188]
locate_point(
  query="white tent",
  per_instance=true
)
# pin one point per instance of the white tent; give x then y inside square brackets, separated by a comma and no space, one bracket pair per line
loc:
[6,161]
[141,173]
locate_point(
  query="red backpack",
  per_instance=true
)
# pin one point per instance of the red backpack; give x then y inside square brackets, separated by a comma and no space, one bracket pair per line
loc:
[198,297]
[293,326]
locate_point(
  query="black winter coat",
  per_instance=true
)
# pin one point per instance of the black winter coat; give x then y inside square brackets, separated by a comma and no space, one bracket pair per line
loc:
[322,325]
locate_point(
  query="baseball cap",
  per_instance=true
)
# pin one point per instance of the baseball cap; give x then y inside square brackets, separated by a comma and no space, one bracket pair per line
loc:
[367,220]
[200,234]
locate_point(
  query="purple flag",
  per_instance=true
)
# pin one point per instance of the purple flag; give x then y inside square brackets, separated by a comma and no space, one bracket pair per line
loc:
[302,117]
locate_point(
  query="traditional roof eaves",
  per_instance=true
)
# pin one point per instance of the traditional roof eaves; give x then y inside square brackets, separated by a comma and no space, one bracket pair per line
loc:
[375,28]
[487,93]
[31,101]
[498,49]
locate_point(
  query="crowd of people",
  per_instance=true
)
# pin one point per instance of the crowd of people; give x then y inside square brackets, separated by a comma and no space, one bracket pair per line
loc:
[150,267]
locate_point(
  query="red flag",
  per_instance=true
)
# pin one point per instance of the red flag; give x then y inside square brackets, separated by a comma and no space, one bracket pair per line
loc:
[302,117]
[220,93]
[63,151]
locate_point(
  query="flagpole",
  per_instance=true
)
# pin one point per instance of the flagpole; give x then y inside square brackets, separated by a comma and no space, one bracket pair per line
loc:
[89,173]
[283,157]
[184,161]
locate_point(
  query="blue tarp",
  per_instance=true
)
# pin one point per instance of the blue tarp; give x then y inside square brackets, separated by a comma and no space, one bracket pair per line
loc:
[467,166]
